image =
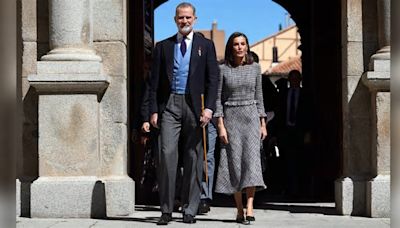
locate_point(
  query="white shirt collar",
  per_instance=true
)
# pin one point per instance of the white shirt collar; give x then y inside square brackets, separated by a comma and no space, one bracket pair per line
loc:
[188,37]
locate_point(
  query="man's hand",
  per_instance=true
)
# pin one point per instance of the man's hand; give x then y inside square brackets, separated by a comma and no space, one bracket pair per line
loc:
[146,127]
[205,117]
[154,119]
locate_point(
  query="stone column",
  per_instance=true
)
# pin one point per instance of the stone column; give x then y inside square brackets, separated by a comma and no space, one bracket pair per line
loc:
[71,31]
[70,83]
[383,7]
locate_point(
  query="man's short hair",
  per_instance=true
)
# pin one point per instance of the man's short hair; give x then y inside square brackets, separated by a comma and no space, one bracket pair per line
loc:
[184,5]
[294,73]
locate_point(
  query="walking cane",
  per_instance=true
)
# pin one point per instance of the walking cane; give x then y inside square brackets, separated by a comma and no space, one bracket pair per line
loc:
[204,142]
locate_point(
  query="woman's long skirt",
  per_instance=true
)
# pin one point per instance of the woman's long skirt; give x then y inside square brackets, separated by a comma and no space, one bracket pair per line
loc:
[240,162]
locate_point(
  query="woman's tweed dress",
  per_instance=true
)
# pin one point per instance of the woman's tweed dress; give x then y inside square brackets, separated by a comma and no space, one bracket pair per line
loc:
[240,102]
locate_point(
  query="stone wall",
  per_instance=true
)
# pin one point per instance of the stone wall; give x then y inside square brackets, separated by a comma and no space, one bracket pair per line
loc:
[108,119]
[110,43]
[364,188]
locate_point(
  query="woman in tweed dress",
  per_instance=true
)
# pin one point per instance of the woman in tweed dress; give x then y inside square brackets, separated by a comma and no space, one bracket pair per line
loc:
[241,125]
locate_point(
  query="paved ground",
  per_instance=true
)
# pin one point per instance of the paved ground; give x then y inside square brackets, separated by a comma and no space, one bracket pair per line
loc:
[272,215]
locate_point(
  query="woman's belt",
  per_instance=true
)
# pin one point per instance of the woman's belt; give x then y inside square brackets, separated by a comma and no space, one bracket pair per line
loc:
[240,103]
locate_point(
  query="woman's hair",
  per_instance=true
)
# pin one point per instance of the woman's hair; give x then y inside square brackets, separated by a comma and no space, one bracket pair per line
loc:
[229,58]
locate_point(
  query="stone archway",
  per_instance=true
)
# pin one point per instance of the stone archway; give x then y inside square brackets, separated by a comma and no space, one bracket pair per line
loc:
[350,107]
[320,29]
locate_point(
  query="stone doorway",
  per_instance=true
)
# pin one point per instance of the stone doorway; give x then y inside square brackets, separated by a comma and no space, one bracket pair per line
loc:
[319,24]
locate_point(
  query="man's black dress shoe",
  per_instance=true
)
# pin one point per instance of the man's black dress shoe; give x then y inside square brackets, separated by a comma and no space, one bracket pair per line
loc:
[189,219]
[204,207]
[164,219]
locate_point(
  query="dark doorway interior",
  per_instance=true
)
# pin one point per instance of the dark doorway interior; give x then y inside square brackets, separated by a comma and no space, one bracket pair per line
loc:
[319,24]
[140,45]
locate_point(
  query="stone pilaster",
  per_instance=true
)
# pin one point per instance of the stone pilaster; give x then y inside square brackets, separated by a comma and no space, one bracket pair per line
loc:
[377,79]
[349,188]
[69,158]
[378,187]
[72,86]
[364,188]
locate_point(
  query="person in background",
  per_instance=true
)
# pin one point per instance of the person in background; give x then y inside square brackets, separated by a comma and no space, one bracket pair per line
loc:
[241,125]
[207,187]
[292,126]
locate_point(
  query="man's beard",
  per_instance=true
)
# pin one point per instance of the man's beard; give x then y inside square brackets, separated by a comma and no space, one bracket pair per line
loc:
[186,29]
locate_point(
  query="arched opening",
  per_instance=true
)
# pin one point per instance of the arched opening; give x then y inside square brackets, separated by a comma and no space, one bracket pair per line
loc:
[319,25]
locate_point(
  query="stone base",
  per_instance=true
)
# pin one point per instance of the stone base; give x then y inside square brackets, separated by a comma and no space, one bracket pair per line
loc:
[344,196]
[378,197]
[67,197]
[18,198]
[350,196]
[120,196]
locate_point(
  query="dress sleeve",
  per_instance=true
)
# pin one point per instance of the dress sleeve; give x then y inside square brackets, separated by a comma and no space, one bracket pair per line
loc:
[259,94]
[219,111]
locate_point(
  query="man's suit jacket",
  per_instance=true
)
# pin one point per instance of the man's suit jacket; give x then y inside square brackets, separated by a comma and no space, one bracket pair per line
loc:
[301,112]
[202,79]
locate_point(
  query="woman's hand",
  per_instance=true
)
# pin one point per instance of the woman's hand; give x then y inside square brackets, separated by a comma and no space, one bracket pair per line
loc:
[223,135]
[264,133]
[263,128]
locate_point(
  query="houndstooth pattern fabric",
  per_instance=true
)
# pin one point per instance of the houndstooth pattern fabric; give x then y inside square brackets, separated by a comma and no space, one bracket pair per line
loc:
[240,102]
[240,86]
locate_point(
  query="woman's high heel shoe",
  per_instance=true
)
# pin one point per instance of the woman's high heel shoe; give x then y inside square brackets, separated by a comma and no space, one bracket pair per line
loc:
[242,220]
[250,218]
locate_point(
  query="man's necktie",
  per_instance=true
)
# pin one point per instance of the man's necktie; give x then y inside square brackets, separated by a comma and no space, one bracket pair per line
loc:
[183,46]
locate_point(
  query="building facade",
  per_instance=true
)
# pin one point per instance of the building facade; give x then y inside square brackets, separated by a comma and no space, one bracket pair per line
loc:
[80,68]
[277,48]
[218,37]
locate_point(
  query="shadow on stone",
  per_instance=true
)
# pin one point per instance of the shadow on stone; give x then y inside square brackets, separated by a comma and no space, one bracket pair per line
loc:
[98,207]
[26,198]
[29,163]
[144,220]
[359,203]
[146,208]
[42,28]
[300,208]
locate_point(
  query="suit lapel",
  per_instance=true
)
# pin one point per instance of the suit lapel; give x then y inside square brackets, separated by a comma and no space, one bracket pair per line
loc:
[169,56]
[194,55]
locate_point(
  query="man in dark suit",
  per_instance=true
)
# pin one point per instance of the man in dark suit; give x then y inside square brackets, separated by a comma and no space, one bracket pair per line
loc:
[184,67]
[293,126]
